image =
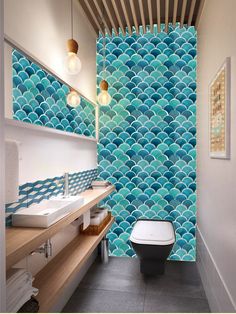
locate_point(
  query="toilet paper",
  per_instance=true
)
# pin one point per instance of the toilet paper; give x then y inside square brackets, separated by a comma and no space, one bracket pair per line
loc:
[95,220]
[103,211]
[99,214]
[86,219]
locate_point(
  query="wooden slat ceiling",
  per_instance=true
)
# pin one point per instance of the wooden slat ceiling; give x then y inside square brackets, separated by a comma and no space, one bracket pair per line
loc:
[121,15]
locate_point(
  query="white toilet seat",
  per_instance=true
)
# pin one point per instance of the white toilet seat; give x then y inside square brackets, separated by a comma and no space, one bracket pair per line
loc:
[153,232]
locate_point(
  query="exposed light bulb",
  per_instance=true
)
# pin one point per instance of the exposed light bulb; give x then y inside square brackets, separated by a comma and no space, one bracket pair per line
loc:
[104,98]
[72,62]
[73,99]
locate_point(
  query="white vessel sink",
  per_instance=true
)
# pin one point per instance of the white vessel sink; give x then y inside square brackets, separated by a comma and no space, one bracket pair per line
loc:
[47,212]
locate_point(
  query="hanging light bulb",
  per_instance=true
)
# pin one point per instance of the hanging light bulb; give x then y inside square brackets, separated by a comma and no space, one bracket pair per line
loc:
[72,62]
[104,97]
[73,99]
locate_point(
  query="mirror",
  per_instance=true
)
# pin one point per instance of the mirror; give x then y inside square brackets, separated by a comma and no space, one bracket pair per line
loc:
[40,97]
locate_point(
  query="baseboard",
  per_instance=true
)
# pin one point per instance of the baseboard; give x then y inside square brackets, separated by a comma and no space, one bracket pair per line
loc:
[219,298]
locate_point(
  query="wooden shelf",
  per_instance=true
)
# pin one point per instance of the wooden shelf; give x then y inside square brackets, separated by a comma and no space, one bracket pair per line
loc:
[21,241]
[53,278]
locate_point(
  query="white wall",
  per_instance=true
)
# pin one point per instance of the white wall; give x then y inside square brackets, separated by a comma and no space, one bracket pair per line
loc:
[45,154]
[43,27]
[2,172]
[216,178]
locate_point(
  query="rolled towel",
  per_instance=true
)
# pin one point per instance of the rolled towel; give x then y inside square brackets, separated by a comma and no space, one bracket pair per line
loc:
[17,304]
[14,298]
[16,278]
[15,274]
[13,290]
[19,288]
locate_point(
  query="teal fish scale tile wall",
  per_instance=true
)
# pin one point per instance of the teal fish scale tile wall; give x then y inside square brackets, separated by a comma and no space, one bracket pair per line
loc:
[39,98]
[148,134]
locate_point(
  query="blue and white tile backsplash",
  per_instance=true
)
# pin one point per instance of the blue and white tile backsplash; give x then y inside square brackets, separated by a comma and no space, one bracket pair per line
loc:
[148,134]
[35,192]
[39,98]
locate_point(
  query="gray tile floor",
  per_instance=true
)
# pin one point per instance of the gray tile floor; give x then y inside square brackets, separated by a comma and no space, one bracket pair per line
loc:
[120,287]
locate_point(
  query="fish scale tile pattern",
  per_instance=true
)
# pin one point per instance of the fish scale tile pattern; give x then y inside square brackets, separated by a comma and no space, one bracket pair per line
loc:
[148,134]
[35,192]
[39,98]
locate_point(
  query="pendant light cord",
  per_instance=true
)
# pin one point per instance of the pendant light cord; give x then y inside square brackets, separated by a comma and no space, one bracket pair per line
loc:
[71,8]
[104,47]
[104,56]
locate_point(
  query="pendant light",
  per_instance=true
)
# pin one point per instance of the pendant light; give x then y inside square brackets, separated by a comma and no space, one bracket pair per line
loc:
[104,97]
[72,62]
[73,99]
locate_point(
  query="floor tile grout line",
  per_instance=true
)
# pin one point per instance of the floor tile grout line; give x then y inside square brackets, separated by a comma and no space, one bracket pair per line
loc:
[111,290]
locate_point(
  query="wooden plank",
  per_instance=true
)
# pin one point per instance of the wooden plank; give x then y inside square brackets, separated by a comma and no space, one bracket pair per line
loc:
[110,17]
[199,14]
[118,16]
[55,276]
[142,15]
[182,18]
[102,17]
[166,15]
[92,13]
[158,16]
[150,15]
[190,16]
[134,16]
[124,8]
[175,7]
[22,241]
[88,16]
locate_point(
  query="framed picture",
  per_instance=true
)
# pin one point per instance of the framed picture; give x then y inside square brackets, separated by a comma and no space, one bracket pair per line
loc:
[219,113]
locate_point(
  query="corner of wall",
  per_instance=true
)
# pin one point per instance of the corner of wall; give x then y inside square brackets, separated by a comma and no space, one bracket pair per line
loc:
[218,296]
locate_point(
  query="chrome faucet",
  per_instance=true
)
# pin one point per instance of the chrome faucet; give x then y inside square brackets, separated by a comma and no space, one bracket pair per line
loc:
[66,184]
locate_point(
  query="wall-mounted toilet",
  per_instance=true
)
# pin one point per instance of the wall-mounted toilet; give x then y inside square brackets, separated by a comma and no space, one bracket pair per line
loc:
[152,241]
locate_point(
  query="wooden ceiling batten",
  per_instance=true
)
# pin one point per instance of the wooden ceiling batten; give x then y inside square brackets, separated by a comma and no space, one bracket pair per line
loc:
[91,11]
[175,12]
[199,13]
[190,16]
[150,15]
[110,16]
[166,15]
[183,10]
[100,12]
[158,16]
[134,16]
[124,8]
[142,15]
[118,16]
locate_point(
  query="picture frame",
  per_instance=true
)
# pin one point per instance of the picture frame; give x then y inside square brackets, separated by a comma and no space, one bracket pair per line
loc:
[219,112]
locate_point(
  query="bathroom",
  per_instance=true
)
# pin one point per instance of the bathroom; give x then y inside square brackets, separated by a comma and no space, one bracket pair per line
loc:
[116,179]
